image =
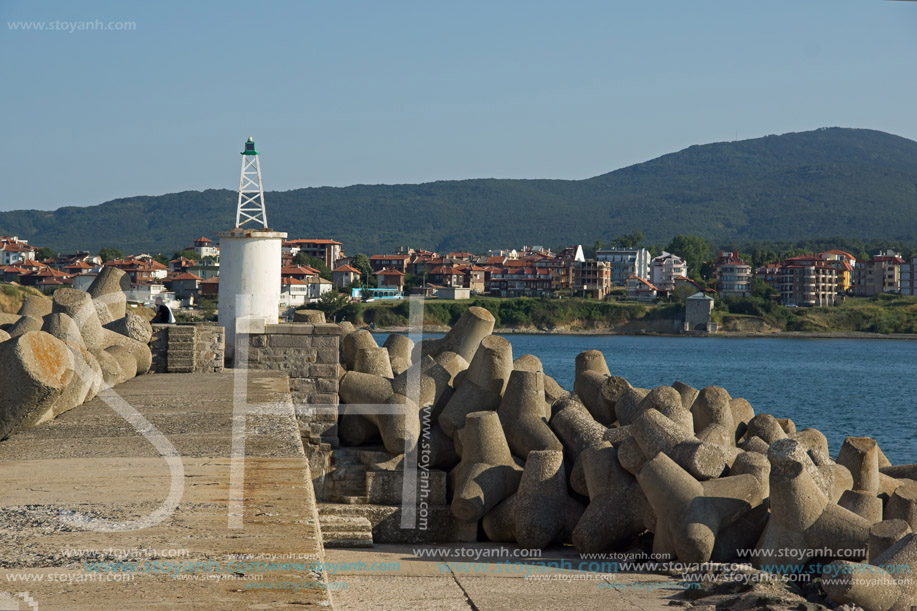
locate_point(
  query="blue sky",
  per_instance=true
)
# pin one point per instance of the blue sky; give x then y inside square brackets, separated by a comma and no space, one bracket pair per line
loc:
[347,92]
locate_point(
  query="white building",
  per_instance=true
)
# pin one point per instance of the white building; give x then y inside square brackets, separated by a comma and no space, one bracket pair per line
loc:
[13,250]
[205,247]
[665,268]
[626,262]
[295,293]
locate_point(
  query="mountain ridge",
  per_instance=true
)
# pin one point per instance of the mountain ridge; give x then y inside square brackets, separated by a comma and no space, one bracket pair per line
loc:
[829,182]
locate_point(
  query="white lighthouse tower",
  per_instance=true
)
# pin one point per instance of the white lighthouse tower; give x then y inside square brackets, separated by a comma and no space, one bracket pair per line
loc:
[249,257]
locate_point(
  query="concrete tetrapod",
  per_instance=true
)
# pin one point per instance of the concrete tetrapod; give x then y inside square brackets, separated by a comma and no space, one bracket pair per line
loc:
[487,473]
[886,585]
[373,360]
[78,306]
[689,515]
[35,306]
[464,338]
[108,290]
[577,430]
[521,413]
[353,343]
[539,512]
[617,505]
[802,516]
[132,326]
[482,386]
[688,394]
[24,325]
[37,367]
[431,380]
[590,373]
[4,336]
[399,352]
[655,433]
[712,406]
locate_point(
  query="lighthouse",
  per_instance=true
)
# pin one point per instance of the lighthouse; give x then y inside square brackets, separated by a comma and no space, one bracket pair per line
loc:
[250,256]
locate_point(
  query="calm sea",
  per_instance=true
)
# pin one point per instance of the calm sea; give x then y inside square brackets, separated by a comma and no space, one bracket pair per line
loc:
[842,387]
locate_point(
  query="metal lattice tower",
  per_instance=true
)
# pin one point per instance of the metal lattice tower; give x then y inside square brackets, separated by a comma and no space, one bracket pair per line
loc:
[250,208]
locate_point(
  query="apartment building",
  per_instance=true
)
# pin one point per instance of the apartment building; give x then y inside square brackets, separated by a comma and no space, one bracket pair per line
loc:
[625,262]
[665,268]
[591,278]
[732,274]
[881,274]
[807,281]
[908,277]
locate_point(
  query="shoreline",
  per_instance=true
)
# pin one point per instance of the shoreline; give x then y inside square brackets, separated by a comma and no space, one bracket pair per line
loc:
[631,332]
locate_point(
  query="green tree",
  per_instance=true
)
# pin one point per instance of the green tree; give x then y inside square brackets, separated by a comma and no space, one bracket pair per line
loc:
[629,240]
[361,262]
[44,253]
[693,249]
[161,258]
[302,258]
[596,248]
[110,254]
[188,253]
[330,302]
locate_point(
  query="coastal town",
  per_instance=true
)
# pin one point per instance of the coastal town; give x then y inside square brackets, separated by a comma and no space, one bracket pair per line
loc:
[310,268]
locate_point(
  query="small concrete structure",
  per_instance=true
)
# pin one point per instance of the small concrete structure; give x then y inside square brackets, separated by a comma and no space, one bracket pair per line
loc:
[698,313]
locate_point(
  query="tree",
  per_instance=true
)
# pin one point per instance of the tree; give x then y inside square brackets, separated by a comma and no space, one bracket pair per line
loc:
[693,249]
[361,262]
[188,253]
[44,253]
[302,258]
[596,248]
[330,302]
[629,240]
[160,258]
[110,254]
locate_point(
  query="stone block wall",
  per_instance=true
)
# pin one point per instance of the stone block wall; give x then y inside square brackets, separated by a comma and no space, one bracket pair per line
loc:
[195,348]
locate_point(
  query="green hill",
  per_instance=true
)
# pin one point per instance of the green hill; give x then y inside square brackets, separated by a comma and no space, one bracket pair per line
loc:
[830,182]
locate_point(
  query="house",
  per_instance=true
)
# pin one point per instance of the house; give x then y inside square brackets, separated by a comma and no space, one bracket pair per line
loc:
[82,282]
[344,275]
[295,293]
[210,287]
[732,274]
[205,247]
[79,267]
[390,278]
[807,280]
[186,284]
[625,262]
[11,273]
[206,268]
[146,294]
[45,277]
[881,274]
[449,292]
[180,264]
[638,289]
[698,313]
[13,251]
[329,251]
[665,268]
[396,262]
[299,272]
[908,277]
[591,278]
[447,275]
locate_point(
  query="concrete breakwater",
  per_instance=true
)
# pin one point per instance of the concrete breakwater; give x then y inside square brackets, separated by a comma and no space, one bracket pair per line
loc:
[602,463]
[57,354]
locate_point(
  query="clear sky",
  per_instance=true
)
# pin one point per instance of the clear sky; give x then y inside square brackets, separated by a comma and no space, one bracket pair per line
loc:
[340,92]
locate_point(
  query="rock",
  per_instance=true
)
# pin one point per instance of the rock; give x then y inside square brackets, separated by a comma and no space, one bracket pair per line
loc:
[884,534]
[364,389]
[37,367]
[766,428]
[63,328]
[4,336]
[903,504]
[713,406]
[108,290]
[688,394]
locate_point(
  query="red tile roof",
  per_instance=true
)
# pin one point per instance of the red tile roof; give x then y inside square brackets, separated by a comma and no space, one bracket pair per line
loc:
[186,276]
[346,268]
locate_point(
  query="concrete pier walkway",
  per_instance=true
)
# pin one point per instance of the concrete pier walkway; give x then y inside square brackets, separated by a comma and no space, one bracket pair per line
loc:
[92,463]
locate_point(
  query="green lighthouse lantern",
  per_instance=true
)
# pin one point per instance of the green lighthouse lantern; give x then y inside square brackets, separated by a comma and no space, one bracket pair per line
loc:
[250,147]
